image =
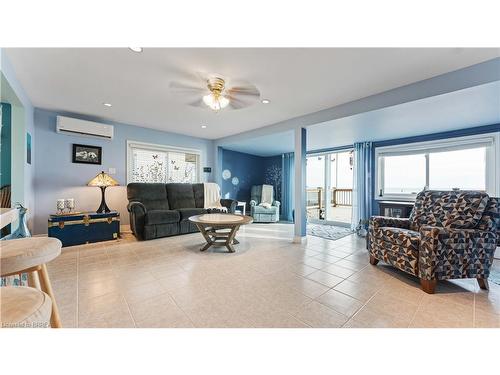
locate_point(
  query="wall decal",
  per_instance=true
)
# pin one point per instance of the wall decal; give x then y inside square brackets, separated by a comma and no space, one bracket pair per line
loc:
[273,175]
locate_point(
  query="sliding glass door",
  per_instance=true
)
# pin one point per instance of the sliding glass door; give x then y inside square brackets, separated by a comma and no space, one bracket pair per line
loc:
[329,187]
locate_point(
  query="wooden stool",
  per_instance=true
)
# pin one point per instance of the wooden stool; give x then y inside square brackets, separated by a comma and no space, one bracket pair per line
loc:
[29,255]
[23,307]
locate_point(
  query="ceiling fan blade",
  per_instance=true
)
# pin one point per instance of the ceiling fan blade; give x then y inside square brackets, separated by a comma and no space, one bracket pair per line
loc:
[249,90]
[181,88]
[198,103]
[236,103]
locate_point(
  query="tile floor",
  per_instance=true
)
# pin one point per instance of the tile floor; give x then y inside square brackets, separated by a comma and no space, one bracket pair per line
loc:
[268,282]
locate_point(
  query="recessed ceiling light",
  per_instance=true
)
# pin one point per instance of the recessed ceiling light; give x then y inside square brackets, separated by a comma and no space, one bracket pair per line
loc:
[135,49]
[203,126]
[266,101]
[107,104]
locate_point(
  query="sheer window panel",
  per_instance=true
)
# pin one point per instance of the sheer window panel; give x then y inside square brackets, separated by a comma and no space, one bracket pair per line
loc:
[161,164]
[149,166]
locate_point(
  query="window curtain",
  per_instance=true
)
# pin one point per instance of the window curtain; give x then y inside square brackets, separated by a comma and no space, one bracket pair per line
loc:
[362,187]
[287,188]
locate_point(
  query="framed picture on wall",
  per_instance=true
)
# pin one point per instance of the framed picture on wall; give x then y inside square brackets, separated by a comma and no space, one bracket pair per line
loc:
[86,154]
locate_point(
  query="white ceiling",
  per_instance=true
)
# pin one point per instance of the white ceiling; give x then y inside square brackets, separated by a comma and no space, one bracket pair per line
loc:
[471,107]
[297,81]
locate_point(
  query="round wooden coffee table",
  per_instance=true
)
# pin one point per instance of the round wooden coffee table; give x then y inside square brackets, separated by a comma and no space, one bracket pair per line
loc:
[220,229]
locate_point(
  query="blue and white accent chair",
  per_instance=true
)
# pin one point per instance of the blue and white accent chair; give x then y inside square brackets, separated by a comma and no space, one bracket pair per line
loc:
[263,214]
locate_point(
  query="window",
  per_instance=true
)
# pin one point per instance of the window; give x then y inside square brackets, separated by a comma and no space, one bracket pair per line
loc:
[466,163]
[157,163]
[397,180]
[464,169]
[315,172]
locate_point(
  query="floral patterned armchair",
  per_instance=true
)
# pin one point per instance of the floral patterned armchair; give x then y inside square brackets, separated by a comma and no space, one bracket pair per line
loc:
[449,235]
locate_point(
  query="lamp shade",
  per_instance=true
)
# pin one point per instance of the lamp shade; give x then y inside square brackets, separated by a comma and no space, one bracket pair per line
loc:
[103,180]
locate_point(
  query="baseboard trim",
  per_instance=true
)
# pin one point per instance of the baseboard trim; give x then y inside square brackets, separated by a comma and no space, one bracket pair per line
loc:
[125,228]
[300,239]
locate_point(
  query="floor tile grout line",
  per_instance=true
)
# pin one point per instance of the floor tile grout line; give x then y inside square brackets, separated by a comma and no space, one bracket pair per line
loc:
[121,293]
[358,310]
[180,308]
[420,303]
[130,311]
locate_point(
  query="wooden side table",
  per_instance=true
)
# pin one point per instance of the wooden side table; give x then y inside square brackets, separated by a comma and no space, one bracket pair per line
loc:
[243,205]
[29,255]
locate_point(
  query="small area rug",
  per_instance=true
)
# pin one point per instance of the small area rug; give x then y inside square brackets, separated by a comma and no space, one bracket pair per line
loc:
[330,232]
[494,276]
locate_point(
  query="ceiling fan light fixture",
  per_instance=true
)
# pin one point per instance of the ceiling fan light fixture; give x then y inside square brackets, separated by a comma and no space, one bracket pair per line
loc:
[215,102]
[266,101]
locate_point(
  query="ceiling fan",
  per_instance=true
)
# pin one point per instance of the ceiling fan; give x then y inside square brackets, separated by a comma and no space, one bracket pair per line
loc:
[213,92]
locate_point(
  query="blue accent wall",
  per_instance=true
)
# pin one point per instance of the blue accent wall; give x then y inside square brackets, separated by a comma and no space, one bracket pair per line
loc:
[240,172]
[57,177]
[273,173]
[423,138]
[5,144]
[247,170]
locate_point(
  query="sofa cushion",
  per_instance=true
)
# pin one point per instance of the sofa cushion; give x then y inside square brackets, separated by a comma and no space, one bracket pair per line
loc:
[180,196]
[449,209]
[186,213]
[160,230]
[162,217]
[199,195]
[152,196]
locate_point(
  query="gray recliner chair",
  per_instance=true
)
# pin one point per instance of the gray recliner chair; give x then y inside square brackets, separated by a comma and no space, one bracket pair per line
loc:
[262,214]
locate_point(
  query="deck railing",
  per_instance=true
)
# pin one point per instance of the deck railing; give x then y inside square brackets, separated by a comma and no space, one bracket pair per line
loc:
[338,197]
[342,197]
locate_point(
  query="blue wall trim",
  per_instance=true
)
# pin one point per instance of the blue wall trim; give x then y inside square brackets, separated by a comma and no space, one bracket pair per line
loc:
[423,138]
[330,149]
[443,135]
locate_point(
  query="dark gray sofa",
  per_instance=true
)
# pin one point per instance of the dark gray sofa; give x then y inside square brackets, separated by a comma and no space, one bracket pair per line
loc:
[160,210]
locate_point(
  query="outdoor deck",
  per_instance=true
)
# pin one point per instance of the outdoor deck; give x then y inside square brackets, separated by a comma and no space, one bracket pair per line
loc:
[340,204]
[340,214]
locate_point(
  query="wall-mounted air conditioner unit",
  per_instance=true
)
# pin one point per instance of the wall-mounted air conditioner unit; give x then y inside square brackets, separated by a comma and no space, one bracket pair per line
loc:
[73,126]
